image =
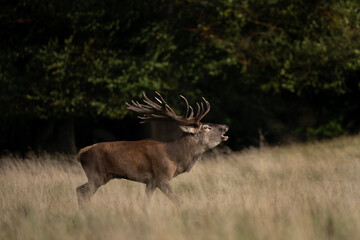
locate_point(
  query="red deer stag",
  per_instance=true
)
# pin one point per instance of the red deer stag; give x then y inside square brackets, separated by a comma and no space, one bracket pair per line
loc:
[150,161]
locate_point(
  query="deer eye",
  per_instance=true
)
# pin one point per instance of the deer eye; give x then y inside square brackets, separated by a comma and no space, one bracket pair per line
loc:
[207,127]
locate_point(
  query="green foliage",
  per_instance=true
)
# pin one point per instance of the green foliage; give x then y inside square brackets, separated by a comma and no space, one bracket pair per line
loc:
[262,64]
[328,130]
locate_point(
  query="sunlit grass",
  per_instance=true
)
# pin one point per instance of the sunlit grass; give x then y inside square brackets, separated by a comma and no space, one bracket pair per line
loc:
[303,191]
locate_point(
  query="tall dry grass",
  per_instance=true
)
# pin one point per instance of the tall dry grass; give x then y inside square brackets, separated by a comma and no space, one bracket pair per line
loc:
[309,191]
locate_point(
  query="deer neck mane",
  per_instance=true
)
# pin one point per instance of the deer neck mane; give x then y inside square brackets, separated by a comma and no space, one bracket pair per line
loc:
[185,152]
[187,144]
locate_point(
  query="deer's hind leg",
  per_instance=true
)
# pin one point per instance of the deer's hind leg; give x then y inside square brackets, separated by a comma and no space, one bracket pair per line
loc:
[87,190]
[84,193]
[95,175]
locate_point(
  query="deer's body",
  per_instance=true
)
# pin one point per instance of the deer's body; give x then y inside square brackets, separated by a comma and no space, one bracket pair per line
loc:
[142,161]
[147,161]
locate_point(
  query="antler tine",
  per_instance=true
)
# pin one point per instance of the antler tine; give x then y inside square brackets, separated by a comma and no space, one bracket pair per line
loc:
[134,107]
[205,111]
[150,116]
[187,105]
[151,103]
[137,104]
[207,105]
[159,95]
[202,108]
[198,113]
[191,113]
[170,109]
[134,103]
[163,103]
[158,100]
[151,110]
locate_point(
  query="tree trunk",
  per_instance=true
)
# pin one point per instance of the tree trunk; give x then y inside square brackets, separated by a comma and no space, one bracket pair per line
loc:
[64,138]
[56,136]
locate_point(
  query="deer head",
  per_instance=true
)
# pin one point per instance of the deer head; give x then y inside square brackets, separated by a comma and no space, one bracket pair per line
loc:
[208,135]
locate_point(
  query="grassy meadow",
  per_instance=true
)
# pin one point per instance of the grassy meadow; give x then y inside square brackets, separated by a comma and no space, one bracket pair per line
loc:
[300,191]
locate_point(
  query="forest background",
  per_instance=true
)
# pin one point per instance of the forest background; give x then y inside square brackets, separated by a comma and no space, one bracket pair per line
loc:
[281,71]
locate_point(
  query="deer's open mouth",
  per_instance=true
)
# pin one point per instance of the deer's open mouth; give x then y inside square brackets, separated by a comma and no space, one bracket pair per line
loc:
[224,138]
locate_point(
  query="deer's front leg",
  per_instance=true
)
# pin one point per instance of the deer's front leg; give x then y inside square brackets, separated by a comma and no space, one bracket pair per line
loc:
[150,188]
[166,189]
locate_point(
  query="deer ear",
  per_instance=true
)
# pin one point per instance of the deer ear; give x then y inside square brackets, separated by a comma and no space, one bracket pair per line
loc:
[188,129]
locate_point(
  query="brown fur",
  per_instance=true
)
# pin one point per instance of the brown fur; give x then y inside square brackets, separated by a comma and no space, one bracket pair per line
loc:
[148,161]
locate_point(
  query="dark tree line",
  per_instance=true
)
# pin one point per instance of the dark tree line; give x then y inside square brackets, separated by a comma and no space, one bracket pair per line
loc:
[289,68]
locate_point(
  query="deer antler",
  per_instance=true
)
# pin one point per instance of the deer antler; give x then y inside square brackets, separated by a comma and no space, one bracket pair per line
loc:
[162,111]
